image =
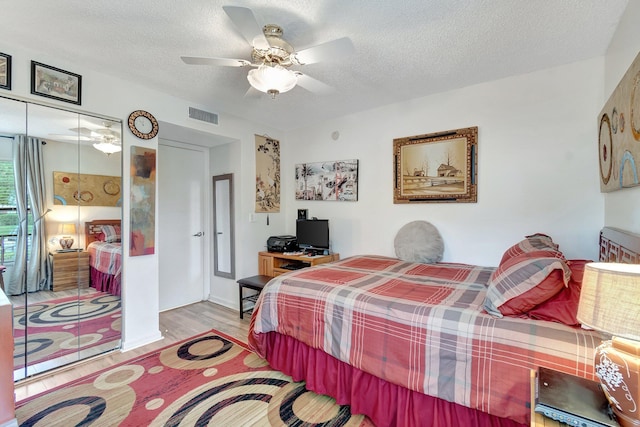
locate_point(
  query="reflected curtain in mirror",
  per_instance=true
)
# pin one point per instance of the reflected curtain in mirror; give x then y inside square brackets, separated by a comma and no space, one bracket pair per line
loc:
[31,268]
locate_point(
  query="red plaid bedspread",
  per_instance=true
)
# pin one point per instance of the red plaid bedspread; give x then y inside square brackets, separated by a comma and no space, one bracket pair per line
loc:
[106,257]
[422,327]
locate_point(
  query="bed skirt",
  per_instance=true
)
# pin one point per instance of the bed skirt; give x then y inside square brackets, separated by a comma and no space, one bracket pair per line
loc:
[386,404]
[105,282]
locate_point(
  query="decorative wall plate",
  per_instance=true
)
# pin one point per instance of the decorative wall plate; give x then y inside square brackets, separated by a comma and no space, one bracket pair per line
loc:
[143,124]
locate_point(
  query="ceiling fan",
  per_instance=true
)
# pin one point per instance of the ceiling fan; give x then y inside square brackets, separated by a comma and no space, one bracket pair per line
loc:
[272,57]
[103,138]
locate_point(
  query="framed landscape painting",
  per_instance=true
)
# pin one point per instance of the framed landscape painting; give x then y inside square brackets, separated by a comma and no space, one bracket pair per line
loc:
[436,167]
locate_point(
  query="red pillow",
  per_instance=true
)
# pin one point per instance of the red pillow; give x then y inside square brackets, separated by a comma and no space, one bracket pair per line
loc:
[563,307]
[548,288]
[522,282]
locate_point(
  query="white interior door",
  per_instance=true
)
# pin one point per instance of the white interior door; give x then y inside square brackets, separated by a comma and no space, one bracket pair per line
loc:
[181,191]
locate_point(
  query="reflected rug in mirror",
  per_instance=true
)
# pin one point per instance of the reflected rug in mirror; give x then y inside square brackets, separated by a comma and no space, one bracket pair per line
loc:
[61,327]
[211,379]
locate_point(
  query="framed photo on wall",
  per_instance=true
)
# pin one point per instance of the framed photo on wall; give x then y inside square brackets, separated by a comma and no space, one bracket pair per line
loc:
[436,167]
[5,71]
[55,83]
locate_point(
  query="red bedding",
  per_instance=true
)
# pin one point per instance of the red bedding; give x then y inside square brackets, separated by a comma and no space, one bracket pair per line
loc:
[105,261]
[422,327]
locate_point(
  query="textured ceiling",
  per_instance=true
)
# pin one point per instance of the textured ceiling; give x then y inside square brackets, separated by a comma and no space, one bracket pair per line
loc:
[403,48]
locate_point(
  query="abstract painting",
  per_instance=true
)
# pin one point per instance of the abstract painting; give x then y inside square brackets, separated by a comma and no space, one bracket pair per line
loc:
[143,201]
[86,190]
[619,133]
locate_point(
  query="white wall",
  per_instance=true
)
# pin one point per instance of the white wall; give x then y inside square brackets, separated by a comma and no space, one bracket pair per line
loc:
[537,167]
[622,208]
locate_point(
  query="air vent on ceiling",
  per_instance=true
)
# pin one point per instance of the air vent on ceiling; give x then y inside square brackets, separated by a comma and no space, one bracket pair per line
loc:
[204,116]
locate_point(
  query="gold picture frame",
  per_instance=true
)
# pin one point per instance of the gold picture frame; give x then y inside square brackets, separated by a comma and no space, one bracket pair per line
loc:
[437,167]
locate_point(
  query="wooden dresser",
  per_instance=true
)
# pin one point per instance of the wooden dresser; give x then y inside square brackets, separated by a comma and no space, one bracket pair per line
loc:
[70,270]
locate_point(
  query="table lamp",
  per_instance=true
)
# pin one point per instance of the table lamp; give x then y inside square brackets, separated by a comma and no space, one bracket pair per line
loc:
[610,303]
[66,241]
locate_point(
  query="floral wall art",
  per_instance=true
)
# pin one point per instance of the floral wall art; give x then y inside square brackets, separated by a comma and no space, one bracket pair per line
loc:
[267,174]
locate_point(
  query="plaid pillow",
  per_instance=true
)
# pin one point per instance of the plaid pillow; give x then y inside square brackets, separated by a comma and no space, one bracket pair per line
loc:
[532,243]
[111,233]
[524,281]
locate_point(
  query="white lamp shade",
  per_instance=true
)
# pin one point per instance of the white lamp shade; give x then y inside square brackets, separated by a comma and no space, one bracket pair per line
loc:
[610,299]
[272,79]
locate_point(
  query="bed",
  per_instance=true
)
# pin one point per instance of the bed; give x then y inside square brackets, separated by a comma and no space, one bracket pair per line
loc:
[410,344]
[103,242]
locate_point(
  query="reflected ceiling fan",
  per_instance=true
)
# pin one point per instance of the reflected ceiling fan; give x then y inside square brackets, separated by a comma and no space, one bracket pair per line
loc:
[272,57]
[103,138]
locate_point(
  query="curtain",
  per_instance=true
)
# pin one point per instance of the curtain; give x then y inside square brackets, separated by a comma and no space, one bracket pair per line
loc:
[30,272]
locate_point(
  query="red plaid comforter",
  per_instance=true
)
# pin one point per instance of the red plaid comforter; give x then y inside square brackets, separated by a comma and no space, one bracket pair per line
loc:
[421,326]
[106,257]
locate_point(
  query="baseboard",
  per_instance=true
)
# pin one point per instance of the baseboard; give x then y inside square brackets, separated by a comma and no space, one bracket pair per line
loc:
[229,304]
[126,345]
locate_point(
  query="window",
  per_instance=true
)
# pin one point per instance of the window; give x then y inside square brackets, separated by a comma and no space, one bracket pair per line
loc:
[8,213]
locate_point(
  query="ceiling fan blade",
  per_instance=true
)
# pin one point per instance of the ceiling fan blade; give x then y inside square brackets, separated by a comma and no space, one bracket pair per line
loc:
[245,20]
[61,137]
[225,62]
[82,131]
[335,49]
[313,85]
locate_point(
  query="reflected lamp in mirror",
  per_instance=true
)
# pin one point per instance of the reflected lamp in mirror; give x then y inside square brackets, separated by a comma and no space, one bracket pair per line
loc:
[610,303]
[67,230]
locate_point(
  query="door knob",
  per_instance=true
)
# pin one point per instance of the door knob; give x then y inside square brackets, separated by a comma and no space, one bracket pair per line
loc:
[198,234]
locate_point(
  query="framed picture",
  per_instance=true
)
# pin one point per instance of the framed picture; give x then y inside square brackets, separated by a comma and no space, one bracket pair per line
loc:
[55,83]
[619,134]
[5,71]
[436,167]
[332,180]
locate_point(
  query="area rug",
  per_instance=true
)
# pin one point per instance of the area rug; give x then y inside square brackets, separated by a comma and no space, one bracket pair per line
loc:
[56,328]
[208,380]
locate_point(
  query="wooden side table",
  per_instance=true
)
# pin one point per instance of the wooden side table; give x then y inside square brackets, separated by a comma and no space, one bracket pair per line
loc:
[273,263]
[70,270]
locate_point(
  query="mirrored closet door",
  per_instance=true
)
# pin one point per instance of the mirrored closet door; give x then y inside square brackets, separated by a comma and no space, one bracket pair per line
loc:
[60,217]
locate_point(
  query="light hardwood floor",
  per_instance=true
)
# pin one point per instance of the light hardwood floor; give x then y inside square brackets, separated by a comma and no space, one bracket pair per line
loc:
[175,325]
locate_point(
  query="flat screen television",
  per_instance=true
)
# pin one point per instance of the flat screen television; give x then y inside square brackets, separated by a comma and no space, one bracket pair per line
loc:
[312,233]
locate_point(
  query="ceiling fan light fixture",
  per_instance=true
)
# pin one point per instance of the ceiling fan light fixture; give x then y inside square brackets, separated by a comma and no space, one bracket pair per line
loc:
[272,79]
[107,147]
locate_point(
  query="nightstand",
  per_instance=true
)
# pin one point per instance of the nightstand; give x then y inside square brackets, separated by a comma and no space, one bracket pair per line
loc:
[70,270]
[574,400]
